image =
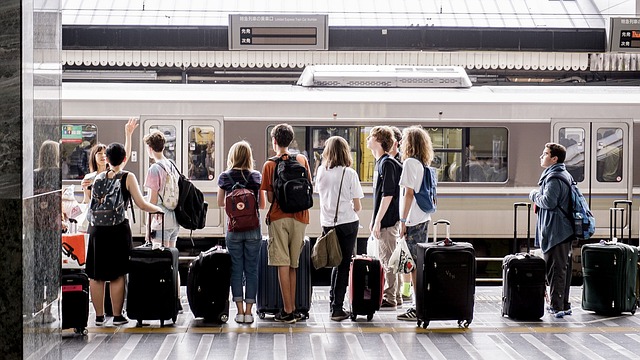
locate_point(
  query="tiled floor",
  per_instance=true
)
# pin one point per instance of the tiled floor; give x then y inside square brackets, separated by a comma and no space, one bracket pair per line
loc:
[582,335]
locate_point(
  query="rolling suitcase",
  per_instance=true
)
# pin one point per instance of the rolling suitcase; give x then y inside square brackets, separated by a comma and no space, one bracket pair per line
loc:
[269,298]
[75,300]
[153,283]
[523,278]
[446,280]
[610,274]
[366,284]
[208,285]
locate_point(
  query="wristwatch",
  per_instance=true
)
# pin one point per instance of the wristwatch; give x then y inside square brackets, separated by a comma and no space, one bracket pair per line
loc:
[404,220]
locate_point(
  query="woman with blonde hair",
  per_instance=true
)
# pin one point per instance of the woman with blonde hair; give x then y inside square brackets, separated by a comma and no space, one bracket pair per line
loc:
[417,152]
[340,192]
[243,246]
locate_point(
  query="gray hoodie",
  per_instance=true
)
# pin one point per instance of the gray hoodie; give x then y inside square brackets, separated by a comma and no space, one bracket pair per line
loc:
[552,227]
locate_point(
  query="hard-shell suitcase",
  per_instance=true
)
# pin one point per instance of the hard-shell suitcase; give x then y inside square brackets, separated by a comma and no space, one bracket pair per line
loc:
[366,284]
[208,285]
[610,273]
[153,283]
[446,279]
[75,300]
[523,278]
[269,298]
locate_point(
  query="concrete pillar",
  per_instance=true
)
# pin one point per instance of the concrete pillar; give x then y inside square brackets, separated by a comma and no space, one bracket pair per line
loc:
[30,184]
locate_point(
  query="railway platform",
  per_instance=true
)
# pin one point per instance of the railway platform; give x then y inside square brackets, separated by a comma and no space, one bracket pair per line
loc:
[582,335]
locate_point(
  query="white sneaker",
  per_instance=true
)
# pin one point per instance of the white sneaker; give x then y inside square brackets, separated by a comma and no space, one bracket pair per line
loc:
[248,318]
[240,318]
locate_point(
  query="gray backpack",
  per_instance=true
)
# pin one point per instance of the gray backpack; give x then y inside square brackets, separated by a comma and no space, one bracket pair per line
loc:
[108,206]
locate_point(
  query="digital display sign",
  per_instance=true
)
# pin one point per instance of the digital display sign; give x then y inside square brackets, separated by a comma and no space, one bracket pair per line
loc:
[278,32]
[625,34]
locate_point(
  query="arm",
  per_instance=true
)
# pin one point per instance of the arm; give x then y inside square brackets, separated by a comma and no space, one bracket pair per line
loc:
[552,189]
[221,196]
[129,128]
[262,203]
[85,190]
[384,206]
[408,199]
[132,186]
[357,205]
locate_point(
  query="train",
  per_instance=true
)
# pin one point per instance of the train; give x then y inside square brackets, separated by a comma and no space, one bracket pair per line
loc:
[487,140]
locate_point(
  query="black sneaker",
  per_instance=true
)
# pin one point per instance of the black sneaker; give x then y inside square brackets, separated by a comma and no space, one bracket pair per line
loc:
[284,317]
[99,320]
[387,306]
[120,320]
[299,316]
[410,315]
[340,315]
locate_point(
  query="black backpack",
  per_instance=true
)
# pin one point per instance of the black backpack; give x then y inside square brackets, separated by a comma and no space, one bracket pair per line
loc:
[291,185]
[191,212]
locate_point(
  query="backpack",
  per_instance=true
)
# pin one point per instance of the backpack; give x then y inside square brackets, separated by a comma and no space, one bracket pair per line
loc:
[426,197]
[107,207]
[170,194]
[584,224]
[291,185]
[241,207]
[191,211]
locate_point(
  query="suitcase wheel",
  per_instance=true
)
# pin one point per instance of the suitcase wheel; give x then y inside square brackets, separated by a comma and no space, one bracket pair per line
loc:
[174,319]
[139,323]
[261,315]
[81,331]
[224,317]
[423,324]
[464,323]
[369,317]
[353,317]
[162,323]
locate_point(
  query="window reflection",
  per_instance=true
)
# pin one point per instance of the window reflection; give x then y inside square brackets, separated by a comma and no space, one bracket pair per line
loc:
[77,141]
[609,155]
[201,155]
[169,132]
[573,140]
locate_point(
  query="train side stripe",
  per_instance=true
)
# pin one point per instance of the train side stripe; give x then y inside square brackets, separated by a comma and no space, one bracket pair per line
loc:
[128,347]
[90,347]
[203,347]
[354,346]
[166,347]
[542,347]
[242,347]
[615,347]
[392,347]
[280,347]
[579,347]
[431,348]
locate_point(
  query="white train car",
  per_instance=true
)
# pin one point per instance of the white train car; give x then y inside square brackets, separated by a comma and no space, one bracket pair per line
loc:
[487,139]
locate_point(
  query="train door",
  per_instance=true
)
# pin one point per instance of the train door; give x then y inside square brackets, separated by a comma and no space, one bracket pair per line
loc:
[598,157]
[195,145]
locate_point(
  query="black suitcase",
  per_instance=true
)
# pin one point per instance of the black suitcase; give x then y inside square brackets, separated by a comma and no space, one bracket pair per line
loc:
[366,284]
[269,298]
[610,274]
[75,300]
[446,280]
[523,278]
[153,283]
[208,285]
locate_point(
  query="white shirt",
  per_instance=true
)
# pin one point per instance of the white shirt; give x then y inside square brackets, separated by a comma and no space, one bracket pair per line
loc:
[327,186]
[412,174]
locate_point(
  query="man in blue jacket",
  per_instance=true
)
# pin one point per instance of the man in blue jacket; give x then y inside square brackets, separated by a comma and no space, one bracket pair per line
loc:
[554,231]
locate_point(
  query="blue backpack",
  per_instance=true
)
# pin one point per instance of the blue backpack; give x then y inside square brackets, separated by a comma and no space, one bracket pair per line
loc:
[584,224]
[426,197]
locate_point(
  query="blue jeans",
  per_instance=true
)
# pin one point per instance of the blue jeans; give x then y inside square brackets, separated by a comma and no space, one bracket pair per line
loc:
[347,234]
[244,248]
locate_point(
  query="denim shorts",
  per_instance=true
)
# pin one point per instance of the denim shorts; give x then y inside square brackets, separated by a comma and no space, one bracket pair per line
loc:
[414,235]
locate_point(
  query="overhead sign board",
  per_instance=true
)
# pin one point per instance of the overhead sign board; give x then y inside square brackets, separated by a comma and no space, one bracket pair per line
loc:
[278,32]
[625,34]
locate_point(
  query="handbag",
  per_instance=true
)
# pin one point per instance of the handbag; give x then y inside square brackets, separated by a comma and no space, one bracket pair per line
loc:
[326,252]
[401,260]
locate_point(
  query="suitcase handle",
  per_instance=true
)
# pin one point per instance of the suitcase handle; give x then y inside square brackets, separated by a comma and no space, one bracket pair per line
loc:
[148,243]
[613,223]
[628,205]
[447,240]
[515,246]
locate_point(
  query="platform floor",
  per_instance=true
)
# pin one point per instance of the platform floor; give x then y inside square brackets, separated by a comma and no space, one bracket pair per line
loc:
[580,336]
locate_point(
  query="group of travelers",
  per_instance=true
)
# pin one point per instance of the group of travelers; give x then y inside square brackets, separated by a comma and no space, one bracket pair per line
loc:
[398,175]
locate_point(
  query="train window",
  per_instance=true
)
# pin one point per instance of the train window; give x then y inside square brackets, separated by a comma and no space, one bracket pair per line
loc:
[609,155]
[320,134]
[201,153]
[470,154]
[77,141]
[169,132]
[573,140]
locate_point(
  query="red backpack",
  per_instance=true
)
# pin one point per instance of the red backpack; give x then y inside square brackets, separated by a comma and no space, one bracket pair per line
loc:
[241,207]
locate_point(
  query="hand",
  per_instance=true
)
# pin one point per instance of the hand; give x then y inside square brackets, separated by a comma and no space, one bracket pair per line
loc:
[131,126]
[376,230]
[403,229]
[85,183]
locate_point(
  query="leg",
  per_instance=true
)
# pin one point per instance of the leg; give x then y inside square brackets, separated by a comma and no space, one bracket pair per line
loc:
[284,278]
[117,295]
[388,239]
[347,234]
[292,287]
[96,287]
[235,246]
[556,259]
[251,253]
[567,284]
